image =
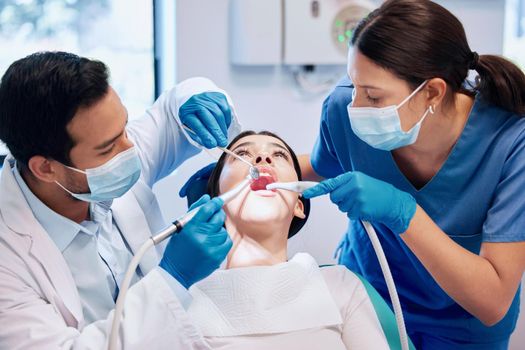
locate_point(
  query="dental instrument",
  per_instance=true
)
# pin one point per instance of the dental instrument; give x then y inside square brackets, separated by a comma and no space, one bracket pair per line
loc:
[254,172]
[175,227]
[300,187]
[179,224]
[295,186]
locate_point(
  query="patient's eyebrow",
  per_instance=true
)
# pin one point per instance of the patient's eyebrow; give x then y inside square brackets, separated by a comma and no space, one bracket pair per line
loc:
[244,144]
[280,146]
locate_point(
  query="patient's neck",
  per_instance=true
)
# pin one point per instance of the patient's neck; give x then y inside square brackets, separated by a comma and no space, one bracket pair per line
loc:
[257,244]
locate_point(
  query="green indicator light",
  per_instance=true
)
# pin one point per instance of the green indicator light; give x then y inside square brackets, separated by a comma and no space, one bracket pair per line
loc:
[341,38]
[338,23]
[348,33]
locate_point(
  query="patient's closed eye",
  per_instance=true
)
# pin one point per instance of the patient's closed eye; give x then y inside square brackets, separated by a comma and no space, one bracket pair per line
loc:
[243,152]
[281,154]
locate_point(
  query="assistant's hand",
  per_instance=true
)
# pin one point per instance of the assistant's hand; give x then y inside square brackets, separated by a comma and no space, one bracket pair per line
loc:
[197,184]
[200,247]
[365,198]
[209,115]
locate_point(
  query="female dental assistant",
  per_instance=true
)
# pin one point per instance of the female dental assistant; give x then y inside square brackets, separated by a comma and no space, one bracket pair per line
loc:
[437,166]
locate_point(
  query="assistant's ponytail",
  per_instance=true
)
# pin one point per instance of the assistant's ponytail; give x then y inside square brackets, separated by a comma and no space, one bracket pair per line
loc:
[501,83]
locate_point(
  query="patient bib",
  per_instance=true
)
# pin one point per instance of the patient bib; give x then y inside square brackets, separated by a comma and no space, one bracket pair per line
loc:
[281,298]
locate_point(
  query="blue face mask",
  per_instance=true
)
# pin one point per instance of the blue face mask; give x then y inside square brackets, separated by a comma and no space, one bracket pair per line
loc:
[110,180]
[381,127]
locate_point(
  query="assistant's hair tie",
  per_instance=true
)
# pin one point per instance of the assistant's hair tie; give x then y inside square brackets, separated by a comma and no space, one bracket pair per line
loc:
[474,60]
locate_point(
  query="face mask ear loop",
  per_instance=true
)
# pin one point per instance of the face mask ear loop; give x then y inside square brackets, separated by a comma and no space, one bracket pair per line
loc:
[421,120]
[412,94]
[425,115]
[75,169]
[62,187]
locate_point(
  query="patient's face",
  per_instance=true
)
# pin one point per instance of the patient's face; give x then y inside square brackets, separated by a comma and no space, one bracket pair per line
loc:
[256,205]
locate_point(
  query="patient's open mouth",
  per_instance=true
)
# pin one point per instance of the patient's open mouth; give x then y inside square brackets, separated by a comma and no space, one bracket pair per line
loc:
[266,176]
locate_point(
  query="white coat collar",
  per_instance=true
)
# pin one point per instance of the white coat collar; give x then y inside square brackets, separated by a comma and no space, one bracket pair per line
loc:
[18,216]
[133,225]
[282,298]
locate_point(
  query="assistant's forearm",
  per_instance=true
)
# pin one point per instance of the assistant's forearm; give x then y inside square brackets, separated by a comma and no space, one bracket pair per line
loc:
[469,279]
[307,170]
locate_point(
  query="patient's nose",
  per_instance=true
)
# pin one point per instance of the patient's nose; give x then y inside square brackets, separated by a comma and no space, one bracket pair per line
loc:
[260,159]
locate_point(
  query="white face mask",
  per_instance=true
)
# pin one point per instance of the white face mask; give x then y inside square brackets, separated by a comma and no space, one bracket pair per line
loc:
[381,127]
[110,180]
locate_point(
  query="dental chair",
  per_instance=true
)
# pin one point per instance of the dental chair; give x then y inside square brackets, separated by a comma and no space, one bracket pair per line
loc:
[385,315]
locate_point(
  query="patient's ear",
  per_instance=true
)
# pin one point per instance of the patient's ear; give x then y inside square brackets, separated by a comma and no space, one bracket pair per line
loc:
[299,209]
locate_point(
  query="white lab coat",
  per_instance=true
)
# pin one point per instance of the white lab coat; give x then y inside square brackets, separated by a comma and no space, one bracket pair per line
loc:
[39,303]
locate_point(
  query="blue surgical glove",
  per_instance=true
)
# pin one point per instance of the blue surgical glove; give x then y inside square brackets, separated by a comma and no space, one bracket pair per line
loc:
[197,184]
[209,116]
[365,198]
[201,246]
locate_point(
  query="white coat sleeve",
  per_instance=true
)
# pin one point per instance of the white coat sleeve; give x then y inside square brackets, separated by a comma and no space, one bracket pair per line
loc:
[361,327]
[161,142]
[153,319]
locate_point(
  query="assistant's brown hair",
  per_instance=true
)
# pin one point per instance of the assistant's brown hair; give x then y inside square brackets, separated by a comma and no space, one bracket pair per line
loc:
[419,40]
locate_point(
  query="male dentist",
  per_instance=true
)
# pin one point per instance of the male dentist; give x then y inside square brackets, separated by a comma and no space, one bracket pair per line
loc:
[76,204]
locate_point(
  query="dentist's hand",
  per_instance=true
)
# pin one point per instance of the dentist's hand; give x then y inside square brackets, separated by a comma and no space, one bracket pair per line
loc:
[366,198]
[201,246]
[209,115]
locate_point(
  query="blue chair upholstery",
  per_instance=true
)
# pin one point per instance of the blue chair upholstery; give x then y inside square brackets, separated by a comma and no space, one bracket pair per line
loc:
[385,315]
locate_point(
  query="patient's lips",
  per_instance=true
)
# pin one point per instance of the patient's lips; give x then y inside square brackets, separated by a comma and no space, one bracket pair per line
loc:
[261,182]
[266,176]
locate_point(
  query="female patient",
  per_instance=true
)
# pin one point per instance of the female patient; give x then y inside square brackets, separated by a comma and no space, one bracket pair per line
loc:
[262,300]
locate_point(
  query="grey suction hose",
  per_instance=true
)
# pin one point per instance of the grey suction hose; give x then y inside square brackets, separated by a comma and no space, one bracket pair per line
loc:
[175,227]
[392,291]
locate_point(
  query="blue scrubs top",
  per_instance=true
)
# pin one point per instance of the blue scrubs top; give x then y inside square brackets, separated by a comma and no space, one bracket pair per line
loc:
[477,196]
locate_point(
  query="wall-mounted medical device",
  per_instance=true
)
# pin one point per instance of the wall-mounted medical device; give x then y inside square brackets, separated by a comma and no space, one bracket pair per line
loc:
[293,32]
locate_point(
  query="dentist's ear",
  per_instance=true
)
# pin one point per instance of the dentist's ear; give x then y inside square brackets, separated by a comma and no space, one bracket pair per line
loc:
[299,209]
[42,168]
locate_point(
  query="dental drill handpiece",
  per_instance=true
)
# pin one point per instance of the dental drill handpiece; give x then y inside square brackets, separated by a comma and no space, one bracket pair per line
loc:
[179,224]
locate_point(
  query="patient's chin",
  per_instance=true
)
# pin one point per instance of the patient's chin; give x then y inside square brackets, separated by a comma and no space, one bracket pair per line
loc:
[263,211]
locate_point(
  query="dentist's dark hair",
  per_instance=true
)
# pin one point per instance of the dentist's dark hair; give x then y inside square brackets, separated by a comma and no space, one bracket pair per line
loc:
[419,40]
[213,182]
[39,95]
